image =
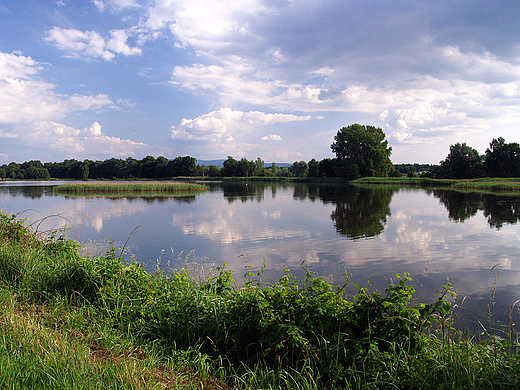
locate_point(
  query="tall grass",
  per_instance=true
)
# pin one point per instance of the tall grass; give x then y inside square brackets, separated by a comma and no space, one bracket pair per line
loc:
[127,188]
[496,184]
[423,181]
[285,335]
[492,184]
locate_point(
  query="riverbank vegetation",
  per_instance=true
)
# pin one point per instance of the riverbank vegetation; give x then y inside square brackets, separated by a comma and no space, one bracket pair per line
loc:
[131,188]
[505,184]
[361,151]
[70,321]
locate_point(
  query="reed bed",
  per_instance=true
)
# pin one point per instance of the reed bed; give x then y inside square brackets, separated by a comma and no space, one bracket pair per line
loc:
[423,181]
[130,188]
[485,184]
[495,184]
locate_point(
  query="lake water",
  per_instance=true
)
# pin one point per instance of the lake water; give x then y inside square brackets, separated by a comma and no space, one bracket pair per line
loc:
[369,232]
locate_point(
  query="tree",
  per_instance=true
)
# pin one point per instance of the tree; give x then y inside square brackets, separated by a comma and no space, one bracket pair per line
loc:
[273,170]
[327,167]
[313,168]
[501,159]
[213,171]
[230,167]
[361,151]
[34,170]
[84,171]
[300,169]
[246,168]
[259,167]
[463,162]
[182,166]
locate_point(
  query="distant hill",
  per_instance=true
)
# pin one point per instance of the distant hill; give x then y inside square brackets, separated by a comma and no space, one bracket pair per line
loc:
[220,163]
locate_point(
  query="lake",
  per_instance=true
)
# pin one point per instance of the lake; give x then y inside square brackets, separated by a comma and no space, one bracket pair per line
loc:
[369,232]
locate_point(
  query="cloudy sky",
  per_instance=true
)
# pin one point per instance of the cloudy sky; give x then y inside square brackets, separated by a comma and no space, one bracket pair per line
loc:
[274,79]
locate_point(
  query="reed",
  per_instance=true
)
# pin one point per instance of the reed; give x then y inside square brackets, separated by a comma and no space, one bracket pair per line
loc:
[130,188]
[496,184]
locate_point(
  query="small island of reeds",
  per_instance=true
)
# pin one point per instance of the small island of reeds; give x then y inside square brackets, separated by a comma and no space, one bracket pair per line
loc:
[130,188]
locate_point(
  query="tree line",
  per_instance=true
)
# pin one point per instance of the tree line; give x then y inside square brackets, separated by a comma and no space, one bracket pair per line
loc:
[360,151]
[162,168]
[501,159]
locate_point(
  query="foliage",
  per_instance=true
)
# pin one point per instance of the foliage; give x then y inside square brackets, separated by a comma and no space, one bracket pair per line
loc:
[417,169]
[132,188]
[31,170]
[300,169]
[182,166]
[288,334]
[327,167]
[313,168]
[502,159]
[361,151]
[463,162]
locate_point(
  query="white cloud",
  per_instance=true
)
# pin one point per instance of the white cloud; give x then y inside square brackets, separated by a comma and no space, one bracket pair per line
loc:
[91,43]
[116,4]
[90,141]
[15,65]
[226,124]
[24,99]
[29,110]
[203,24]
[272,137]
[100,5]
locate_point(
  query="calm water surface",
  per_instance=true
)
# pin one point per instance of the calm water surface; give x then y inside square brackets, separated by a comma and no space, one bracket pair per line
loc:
[371,232]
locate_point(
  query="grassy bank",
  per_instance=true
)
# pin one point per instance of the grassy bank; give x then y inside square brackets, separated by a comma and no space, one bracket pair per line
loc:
[130,188]
[487,183]
[70,321]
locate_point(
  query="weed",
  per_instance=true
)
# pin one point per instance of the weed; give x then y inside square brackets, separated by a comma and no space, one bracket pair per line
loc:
[288,334]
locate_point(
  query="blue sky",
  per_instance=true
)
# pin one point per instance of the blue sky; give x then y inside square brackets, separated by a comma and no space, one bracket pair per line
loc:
[274,79]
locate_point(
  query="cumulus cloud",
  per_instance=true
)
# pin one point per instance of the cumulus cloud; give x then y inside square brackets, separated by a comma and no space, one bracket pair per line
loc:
[87,142]
[422,69]
[236,82]
[15,65]
[91,43]
[24,99]
[30,110]
[226,124]
[272,137]
[204,24]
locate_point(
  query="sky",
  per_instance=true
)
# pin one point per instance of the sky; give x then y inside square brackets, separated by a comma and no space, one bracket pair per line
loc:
[275,79]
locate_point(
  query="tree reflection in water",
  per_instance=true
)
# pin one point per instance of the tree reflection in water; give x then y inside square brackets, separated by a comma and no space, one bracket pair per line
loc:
[461,206]
[361,212]
[498,209]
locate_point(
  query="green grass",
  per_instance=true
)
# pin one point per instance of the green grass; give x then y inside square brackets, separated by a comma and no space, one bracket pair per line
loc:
[422,181]
[509,185]
[496,184]
[97,322]
[133,188]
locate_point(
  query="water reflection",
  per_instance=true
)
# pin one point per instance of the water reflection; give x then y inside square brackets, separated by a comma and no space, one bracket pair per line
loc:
[373,231]
[497,209]
[361,212]
[32,192]
[501,210]
[461,206]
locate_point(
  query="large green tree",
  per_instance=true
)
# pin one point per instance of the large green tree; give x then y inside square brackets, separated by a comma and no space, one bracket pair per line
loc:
[300,169]
[463,162]
[501,159]
[362,151]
